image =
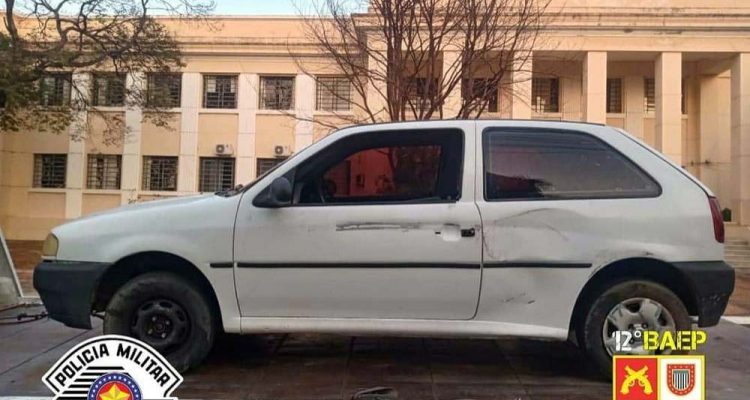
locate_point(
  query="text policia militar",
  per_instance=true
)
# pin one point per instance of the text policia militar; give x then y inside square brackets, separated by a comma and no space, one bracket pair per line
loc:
[123,350]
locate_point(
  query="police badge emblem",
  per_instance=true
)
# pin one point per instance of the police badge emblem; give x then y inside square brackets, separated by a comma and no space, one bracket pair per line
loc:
[680,378]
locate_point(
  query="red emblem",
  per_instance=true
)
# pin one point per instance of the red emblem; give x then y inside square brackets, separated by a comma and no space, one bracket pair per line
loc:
[681,378]
[635,378]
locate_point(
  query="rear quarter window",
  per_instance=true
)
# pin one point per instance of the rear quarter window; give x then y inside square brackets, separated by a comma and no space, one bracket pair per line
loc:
[554,165]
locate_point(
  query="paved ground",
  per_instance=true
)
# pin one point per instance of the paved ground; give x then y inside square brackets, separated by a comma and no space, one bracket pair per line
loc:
[334,367]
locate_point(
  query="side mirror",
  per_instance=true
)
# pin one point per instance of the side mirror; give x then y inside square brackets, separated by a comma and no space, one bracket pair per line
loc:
[277,194]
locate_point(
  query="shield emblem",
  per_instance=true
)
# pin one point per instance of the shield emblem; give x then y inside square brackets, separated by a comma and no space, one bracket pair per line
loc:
[680,378]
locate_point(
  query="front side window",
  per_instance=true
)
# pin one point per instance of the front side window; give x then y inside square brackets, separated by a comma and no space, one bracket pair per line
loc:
[558,165]
[545,95]
[109,90]
[159,173]
[385,168]
[55,90]
[103,171]
[216,174]
[220,91]
[277,92]
[333,93]
[164,90]
[49,170]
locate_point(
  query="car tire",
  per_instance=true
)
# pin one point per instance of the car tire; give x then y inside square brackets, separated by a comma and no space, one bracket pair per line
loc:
[167,312]
[589,333]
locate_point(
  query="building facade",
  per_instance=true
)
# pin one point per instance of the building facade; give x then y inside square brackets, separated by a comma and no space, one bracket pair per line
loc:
[675,73]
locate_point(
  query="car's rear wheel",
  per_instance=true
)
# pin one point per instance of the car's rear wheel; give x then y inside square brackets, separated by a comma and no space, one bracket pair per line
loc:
[168,313]
[633,306]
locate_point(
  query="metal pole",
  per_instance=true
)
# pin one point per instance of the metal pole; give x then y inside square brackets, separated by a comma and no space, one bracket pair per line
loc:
[10,288]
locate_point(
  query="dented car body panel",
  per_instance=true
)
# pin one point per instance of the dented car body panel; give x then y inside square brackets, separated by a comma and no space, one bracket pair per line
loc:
[464,262]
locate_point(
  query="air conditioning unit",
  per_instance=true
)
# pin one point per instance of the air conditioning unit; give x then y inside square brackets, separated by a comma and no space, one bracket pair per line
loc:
[224,150]
[281,151]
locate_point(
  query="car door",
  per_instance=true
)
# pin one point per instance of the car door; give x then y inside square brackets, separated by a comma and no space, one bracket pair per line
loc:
[553,204]
[382,225]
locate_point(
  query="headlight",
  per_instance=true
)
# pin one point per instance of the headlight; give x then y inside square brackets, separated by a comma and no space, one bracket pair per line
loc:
[50,246]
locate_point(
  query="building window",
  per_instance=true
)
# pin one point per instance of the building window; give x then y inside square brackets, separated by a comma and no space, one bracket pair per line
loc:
[49,170]
[649,95]
[164,90]
[103,171]
[614,95]
[264,165]
[159,173]
[545,95]
[55,90]
[333,93]
[277,92]
[217,174]
[481,89]
[109,90]
[220,91]
[422,89]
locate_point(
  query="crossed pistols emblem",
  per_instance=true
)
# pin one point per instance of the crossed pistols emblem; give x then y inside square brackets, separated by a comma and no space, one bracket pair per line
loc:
[636,376]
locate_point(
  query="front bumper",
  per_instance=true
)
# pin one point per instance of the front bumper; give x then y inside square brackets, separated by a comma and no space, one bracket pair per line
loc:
[67,289]
[711,283]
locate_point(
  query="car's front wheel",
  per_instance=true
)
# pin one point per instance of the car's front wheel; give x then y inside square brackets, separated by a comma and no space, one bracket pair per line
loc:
[167,312]
[633,306]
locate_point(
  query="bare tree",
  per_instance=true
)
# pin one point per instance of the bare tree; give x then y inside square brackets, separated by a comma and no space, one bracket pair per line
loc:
[44,41]
[406,59]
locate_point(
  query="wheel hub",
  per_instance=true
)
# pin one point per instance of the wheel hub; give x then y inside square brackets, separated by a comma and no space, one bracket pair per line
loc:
[161,323]
[636,315]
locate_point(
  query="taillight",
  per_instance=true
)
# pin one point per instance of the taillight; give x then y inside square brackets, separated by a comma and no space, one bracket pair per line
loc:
[717,218]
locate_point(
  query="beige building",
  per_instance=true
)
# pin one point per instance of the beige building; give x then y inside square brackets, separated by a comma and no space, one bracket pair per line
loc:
[675,73]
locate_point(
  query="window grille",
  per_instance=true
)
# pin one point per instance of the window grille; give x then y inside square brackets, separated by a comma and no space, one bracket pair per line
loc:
[217,174]
[109,90]
[220,91]
[614,95]
[545,95]
[333,94]
[49,170]
[159,173]
[481,89]
[103,171]
[649,97]
[164,90]
[55,90]
[276,93]
[263,165]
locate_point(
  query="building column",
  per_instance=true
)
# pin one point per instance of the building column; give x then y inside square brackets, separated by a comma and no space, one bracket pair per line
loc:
[521,74]
[74,174]
[247,104]
[633,93]
[668,105]
[452,103]
[740,115]
[187,176]
[131,147]
[595,87]
[304,106]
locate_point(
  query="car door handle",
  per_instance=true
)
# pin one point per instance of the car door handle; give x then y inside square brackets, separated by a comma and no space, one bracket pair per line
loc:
[470,232]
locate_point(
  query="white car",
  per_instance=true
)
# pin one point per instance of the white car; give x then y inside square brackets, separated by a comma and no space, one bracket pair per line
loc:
[441,228]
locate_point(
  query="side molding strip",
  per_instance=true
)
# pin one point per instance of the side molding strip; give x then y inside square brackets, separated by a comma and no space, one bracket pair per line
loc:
[358,265]
[221,265]
[504,264]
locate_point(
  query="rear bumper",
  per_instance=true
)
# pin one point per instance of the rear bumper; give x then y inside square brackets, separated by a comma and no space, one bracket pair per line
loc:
[711,283]
[67,290]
